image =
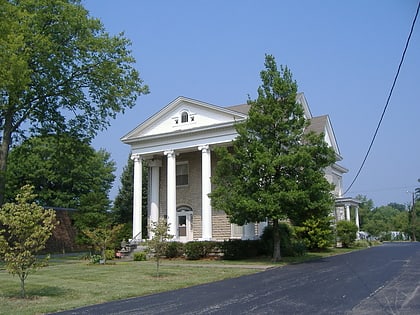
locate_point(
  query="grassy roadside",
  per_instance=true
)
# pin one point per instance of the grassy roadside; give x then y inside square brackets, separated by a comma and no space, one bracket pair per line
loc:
[69,282]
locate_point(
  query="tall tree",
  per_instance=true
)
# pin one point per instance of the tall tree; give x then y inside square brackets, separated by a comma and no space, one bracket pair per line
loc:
[60,71]
[65,172]
[275,168]
[26,227]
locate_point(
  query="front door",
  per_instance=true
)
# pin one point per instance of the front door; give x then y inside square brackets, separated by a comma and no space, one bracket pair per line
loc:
[184,227]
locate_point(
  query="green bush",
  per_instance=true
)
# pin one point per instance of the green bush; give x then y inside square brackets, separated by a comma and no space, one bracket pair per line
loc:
[346,233]
[95,259]
[174,250]
[109,254]
[241,249]
[197,250]
[139,256]
[316,233]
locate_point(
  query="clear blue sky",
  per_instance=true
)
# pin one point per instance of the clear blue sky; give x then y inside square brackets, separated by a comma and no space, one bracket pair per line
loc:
[343,55]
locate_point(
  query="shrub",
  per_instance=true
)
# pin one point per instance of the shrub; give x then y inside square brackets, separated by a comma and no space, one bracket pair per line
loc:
[346,232]
[95,259]
[139,256]
[174,250]
[197,250]
[109,254]
[240,249]
[316,233]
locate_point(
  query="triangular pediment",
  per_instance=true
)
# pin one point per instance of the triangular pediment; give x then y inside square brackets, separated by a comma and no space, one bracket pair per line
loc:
[184,114]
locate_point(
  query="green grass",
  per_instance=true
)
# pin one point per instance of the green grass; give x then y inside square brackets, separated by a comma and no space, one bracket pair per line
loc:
[66,284]
[69,282]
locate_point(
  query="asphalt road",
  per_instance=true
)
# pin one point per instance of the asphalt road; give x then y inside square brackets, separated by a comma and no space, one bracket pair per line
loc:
[379,280]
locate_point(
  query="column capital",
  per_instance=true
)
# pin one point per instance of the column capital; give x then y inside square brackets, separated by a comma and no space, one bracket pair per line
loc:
[204,148]
[169,153]
[155,162]
[136,157]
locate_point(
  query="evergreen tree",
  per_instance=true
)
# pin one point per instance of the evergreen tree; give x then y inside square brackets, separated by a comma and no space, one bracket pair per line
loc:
[274,169]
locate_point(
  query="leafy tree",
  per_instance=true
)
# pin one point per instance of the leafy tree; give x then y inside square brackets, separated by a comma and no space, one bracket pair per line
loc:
[103,238]
[346,232]
[382,220]
[26,227]
[159,242]
[60,71]
[398,206]
[65,172]
[274,168]
[365,209]
[123,204]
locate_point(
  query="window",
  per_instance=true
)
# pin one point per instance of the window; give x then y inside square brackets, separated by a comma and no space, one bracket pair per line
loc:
[184,117]
[182,174]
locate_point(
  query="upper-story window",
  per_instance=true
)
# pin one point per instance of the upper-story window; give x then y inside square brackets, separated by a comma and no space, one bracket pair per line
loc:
[182,174]
[184,117]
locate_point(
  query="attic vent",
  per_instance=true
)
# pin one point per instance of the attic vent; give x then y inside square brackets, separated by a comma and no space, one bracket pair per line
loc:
[184,117]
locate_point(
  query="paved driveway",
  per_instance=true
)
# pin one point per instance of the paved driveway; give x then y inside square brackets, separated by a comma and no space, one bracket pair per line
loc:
[379,280]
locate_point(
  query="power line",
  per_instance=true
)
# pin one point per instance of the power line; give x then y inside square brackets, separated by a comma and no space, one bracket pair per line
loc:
[387,101]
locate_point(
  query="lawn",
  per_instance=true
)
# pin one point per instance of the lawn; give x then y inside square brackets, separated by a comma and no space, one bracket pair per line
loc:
[70,282]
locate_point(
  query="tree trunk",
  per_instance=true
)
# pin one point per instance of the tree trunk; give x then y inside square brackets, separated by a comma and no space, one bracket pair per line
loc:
[276,241]
[22,285]
[6,141]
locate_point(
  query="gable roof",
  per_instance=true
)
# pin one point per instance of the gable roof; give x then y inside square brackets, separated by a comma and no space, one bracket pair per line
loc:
[168,119]
[205,117]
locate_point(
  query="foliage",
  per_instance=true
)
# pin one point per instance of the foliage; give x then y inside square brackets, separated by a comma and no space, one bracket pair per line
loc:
[275,168]
[174,250]
[25,227]
[139,256]
[103,238]
[316,233]
[346,232]
[123,205]
[65,172]
[60,72]
[158,244]
[242,249]
[196,250]
[382,220]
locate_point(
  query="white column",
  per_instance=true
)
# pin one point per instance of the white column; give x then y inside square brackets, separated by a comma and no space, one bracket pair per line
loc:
[137,197]
[206,219]
[347,212]
[171,191]
[154,191]
[249,231]
[261,227]
[356,214]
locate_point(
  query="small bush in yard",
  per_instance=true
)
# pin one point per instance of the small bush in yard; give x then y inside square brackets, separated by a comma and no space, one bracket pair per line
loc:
[139,256]
[174,250]
[346,232]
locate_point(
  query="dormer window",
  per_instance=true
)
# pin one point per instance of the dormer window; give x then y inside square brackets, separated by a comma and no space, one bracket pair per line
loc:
[184,117]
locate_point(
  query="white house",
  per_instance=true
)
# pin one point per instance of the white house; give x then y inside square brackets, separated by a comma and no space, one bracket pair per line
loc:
[176,144]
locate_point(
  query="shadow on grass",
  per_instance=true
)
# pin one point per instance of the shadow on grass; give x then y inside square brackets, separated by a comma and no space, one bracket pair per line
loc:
[39,292]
